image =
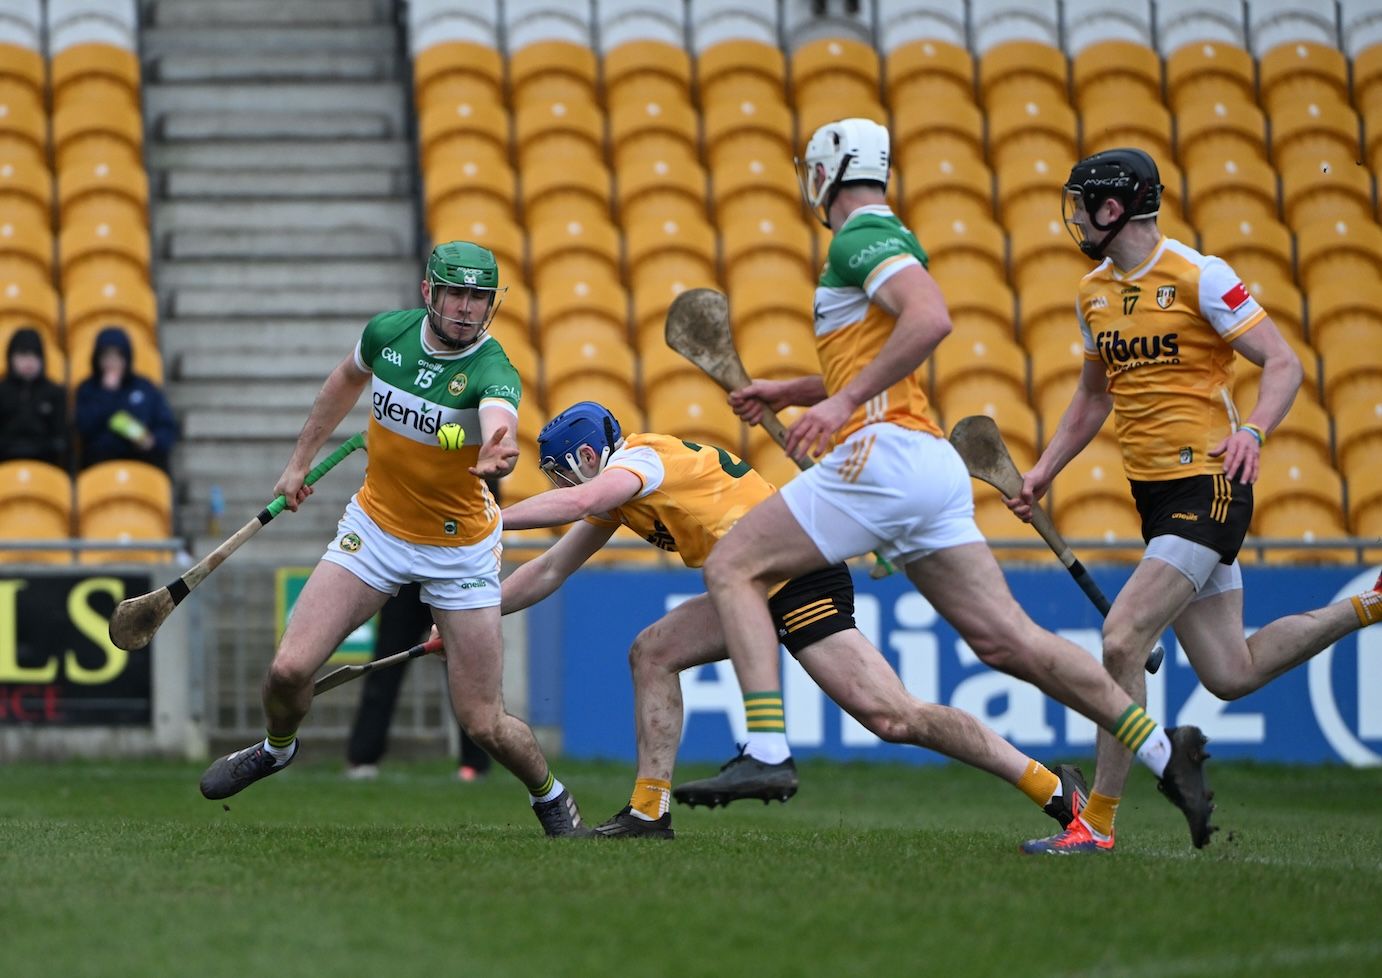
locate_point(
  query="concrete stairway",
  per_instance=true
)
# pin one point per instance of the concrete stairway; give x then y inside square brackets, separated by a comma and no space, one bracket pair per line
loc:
[284,216]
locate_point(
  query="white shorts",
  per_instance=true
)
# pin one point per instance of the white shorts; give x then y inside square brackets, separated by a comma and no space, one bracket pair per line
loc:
[1200,565]
[903,493]
[452,578]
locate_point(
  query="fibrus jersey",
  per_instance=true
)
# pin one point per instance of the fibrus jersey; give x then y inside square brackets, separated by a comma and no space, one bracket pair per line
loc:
[1162,331]
[869,248]
[691,494]
[414,488]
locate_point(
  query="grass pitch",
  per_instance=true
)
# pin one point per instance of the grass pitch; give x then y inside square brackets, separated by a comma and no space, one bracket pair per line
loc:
[123,869]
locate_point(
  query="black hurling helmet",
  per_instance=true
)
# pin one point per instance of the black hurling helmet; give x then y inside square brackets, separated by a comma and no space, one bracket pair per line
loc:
[1127,174]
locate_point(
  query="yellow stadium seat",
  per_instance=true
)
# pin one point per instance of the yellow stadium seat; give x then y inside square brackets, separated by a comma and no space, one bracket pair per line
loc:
[27,299]
[773,464]
[1302,71]
[1014,418]
[929,71]
[1056,364]
[1031,127]
[459,72]
[835,68]
[661,189]
[1176,227]
[651,298]
[1242,188]
[566,133]
[1325,190]
[573,249]
[520,352]
[454,129]
[816,112]
[1367,79]
[90,192]
[944,189]
[1207,133]
[646,71]
[463,187]
[1109,123]
[1358,437]
[101,251]
[1304,431]
[1311,132]
[30,245]
[23,127]
[1096,472]
[123,501]
[657,362]
[1173,189]
[552,71]
[516,307]
[761,445]
[144,350]
[26,191]
[695,409]
[754,247]
[765,188]
[90,132]
[652,129]
[1281,299]
[979,307]
[615,394]
[1107,520]
[996,522]
[657,249]
[1043,251]
[1016,71]
[554,190]
[1308,521]
[1352,361]
[771,300]
[1030,191]
[583,302]
[964,249]
[923,131]
[1354,308]
[969,368]
[1047,313]
[1339,250]
[741,70]
[24,66]
[782,352]
[1365,495]
[584,350]
[1296,497]
[1247,377]
[1254,246]
[747,129]
[525,481]
[114,300]
[1115,72]
[98,74]
[1208,72]
[499,234]
[35,504]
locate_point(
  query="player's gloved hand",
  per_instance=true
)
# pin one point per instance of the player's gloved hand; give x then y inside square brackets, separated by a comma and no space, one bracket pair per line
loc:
[1242,454]
[811,433]
[748,402]
[497,457]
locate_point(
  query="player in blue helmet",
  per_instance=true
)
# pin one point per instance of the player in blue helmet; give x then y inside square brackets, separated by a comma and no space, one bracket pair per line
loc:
[559,442]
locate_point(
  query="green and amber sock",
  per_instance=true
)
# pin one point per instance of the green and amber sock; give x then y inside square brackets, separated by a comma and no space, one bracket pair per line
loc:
[1143,736]
[546,791]
[281,747]
[767,727]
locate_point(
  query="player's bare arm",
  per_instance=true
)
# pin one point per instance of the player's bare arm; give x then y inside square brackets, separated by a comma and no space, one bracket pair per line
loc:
[1088,410]
[606,492]
[749,402]
[499,444]
[539,577]
[1281,377]
[333,402]
[914,300]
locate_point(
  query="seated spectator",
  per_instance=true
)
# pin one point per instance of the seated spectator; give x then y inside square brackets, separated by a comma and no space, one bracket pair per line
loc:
[33,409]
[120,414]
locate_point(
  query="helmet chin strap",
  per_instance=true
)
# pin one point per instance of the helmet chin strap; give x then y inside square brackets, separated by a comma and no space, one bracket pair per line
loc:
[575,465]
[1093,250]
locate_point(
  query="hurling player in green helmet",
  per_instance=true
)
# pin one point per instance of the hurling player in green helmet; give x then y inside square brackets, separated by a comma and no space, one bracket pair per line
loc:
[461,293]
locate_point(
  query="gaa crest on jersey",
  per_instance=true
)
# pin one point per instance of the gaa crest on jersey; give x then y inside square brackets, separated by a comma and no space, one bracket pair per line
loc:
[1165,296]
[350,543]
[457,385]
[449,528]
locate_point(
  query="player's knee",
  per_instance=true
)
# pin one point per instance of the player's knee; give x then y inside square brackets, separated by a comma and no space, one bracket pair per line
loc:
[286,675]
[722,571]
[643,653]
[1121,643]
[481,724]
[1225,684]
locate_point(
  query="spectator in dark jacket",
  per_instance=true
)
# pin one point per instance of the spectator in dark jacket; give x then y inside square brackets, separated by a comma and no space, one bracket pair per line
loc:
[33,409]
[120,414]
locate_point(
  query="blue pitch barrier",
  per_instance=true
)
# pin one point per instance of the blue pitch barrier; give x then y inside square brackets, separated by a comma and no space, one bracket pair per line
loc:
[1327,711]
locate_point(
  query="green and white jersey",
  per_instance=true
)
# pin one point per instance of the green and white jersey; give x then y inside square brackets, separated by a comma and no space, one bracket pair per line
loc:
[868,249]
[414,488]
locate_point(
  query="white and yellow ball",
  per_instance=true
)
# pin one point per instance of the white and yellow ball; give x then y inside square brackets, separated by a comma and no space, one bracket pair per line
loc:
[451,436]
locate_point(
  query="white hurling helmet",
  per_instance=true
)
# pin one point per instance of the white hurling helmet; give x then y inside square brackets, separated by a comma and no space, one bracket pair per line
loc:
[838,153]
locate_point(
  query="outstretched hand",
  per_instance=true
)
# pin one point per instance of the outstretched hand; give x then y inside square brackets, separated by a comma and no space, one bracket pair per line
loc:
[497,457]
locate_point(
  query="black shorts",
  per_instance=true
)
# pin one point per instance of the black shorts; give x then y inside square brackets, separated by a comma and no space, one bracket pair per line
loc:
[813,606]
[1212,510]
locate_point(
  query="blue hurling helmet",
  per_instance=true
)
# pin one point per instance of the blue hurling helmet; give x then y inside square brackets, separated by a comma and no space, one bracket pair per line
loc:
[585,423]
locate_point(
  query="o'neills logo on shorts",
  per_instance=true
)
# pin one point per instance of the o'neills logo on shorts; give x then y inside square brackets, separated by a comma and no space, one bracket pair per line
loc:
[350,543]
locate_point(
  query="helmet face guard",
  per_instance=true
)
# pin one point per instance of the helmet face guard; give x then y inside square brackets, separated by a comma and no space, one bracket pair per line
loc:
[1128,175]
[462,276]
[560,442]
[838,153]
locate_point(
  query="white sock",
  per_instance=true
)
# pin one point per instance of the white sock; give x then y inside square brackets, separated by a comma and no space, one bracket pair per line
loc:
[770,748]
[281,755]
[557,788]
[1156,751]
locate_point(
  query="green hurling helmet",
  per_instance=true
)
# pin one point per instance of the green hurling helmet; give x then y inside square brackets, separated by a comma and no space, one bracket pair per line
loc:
[467,267]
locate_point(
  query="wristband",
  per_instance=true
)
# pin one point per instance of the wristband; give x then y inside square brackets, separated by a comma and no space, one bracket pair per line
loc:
[1255,431]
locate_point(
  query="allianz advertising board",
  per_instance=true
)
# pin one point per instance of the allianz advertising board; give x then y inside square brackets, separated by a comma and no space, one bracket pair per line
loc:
[1328,710]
